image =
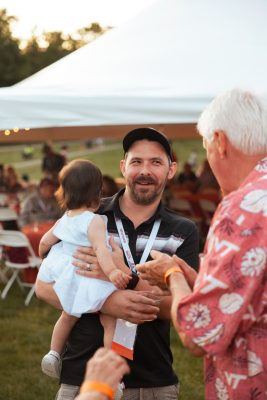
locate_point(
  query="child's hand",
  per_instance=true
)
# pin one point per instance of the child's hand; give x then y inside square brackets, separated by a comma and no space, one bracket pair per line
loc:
[119,278]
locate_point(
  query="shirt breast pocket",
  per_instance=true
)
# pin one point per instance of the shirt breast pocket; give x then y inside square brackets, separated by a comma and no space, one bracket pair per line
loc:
[165,245]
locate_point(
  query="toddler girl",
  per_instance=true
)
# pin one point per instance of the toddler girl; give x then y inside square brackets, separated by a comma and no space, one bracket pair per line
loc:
[79,193]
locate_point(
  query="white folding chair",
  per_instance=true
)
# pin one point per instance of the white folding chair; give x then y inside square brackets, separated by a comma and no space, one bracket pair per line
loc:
[3,200]
[17,239]
[7,214]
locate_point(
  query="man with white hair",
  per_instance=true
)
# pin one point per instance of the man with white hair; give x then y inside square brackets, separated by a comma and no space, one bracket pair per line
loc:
[223,314]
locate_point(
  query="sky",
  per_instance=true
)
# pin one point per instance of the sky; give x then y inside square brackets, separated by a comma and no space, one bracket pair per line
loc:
[68,15]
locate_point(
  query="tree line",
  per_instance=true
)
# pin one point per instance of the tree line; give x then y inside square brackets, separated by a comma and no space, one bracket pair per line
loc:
[19,60]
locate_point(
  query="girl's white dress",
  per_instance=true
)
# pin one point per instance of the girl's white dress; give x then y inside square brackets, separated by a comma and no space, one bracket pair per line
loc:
[77,294]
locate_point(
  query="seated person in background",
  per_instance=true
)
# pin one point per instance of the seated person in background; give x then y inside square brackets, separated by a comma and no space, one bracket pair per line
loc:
[2,179]
[40,206]
[28,187]
[206,178]
[187,179]
[12,182]
[103,373]
[109,186]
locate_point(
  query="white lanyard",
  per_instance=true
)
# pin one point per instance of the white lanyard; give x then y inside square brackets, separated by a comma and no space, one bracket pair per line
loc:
[125,244]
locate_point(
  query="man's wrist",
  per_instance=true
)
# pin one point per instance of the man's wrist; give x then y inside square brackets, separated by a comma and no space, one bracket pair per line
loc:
[101,388]
[133,282]
[169,272]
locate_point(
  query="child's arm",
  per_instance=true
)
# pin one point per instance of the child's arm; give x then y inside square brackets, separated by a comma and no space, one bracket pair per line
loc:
[97,236]
[47,241]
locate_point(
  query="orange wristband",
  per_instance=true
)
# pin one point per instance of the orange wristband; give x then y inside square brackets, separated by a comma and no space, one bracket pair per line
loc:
[95,386]
[170,271]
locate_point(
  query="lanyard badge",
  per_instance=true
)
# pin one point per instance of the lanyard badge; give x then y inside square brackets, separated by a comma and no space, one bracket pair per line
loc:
[125,332]
[124,338]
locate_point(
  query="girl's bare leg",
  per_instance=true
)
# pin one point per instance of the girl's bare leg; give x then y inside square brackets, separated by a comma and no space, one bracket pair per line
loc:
[108,324]
[61,331]
[51,362]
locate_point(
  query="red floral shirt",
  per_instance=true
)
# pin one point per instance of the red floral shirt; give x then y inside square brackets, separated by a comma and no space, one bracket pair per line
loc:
[227,312]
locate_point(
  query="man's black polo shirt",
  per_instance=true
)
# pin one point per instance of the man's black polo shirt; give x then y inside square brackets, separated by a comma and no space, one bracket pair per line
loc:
[152,364]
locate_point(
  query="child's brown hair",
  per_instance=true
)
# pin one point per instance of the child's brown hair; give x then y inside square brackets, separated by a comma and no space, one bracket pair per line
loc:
[80,185]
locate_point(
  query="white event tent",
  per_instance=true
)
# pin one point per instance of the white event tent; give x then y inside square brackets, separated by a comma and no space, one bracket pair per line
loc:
[159,69]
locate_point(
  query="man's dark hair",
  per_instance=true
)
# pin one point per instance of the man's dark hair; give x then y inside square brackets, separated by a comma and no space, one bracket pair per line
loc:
[80,185]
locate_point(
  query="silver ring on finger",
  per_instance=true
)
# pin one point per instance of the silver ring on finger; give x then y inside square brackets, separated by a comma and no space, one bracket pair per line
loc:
[88,267]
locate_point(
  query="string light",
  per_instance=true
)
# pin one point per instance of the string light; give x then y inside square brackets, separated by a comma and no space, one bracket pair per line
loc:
[8,132]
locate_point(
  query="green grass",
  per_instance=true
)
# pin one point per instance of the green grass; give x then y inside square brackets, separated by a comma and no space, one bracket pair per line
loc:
[25,337]
[189,369]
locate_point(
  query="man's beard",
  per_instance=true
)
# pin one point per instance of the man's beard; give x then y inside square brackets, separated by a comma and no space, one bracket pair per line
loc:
[145,195]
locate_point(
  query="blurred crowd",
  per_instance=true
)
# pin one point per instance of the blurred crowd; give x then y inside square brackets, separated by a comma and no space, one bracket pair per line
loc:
[35,202]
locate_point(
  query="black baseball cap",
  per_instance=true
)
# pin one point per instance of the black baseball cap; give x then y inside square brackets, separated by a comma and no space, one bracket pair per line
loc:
[149,134]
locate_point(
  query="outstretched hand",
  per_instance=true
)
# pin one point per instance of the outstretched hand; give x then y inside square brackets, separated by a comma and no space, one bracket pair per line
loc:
[153,271]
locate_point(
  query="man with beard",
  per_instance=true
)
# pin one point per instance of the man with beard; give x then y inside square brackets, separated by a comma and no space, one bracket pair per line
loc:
[137,215]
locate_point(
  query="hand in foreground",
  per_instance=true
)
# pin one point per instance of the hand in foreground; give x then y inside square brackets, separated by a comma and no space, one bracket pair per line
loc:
[153,271]
[105,367]
[87,265]
[119,279]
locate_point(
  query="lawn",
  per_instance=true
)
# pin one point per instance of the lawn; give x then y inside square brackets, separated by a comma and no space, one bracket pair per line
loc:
[105,157]
[24,339]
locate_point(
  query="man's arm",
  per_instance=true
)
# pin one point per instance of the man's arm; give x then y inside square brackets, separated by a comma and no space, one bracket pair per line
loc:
[133,306]
[85,256]
[188,252]
[179,289]
[154,271]
[136,307]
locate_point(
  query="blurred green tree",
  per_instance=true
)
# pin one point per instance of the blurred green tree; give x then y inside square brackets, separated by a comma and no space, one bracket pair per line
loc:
[17,62]
[10,55]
